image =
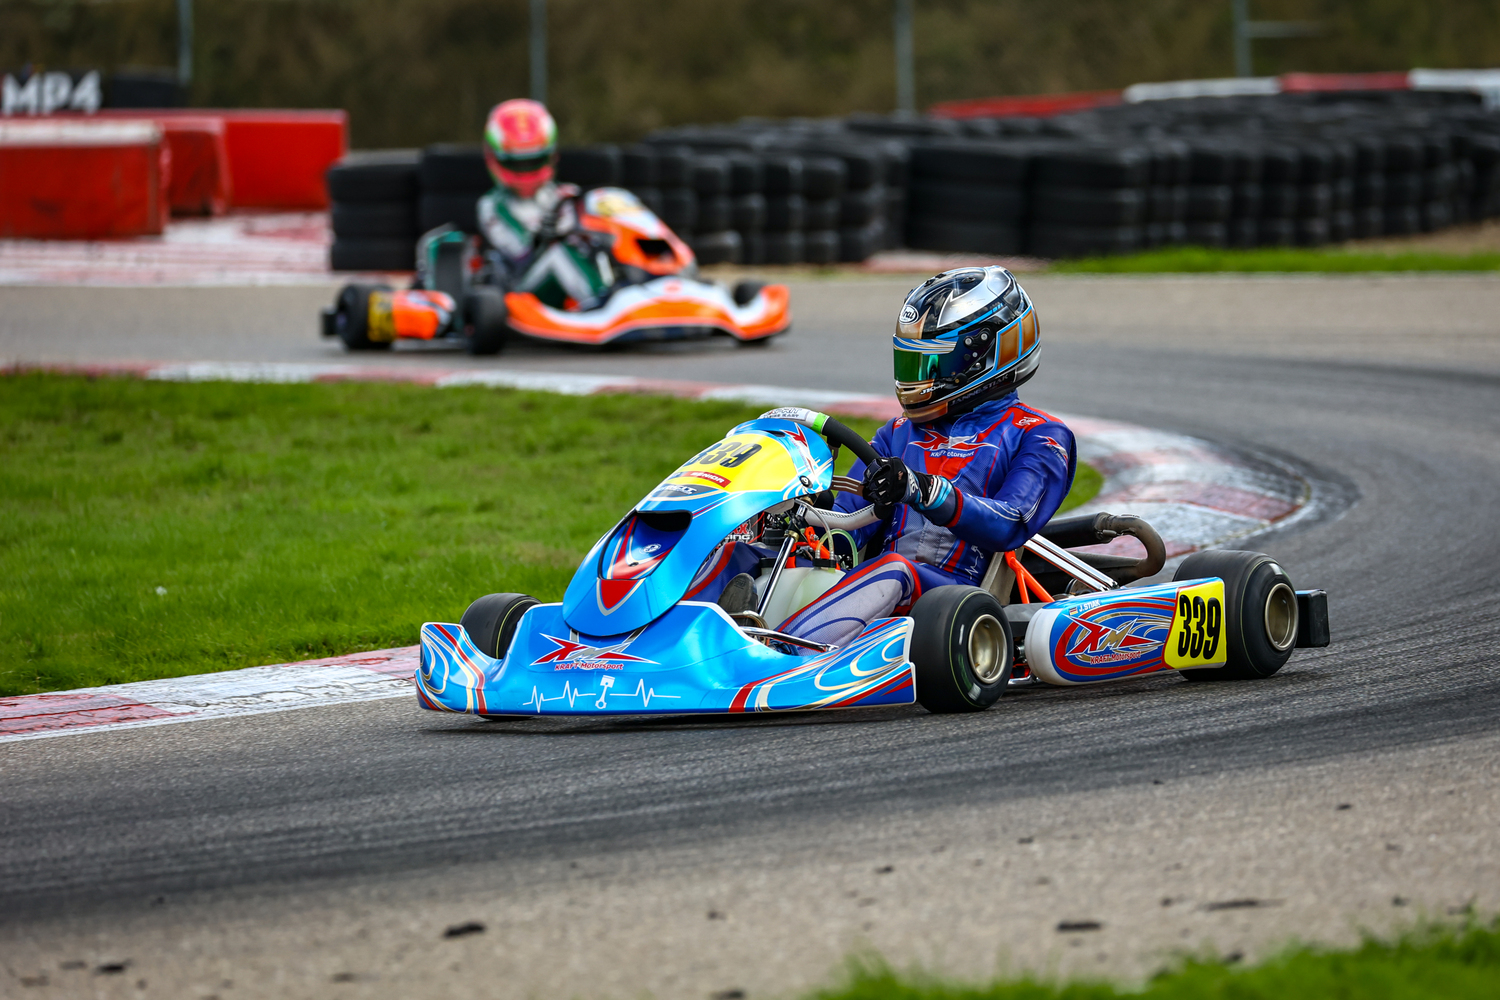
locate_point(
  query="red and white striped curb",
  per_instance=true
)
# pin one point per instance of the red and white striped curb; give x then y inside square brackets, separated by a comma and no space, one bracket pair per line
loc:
[287,248]
[1194,494]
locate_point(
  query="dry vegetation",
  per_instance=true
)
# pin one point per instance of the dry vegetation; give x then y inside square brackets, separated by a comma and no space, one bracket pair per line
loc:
[415,71]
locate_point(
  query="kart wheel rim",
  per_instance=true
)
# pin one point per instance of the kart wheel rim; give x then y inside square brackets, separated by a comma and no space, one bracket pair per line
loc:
[988,650]
[1281,617]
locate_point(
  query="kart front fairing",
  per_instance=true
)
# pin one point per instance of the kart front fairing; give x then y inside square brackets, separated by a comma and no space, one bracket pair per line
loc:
[624,639]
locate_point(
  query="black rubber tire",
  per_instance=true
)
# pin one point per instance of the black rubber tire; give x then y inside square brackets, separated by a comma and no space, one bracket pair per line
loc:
[823,177]
[710,176]
[1087,165]
[822,213]
[783,176]
[351,317]
[857,243]
[638,167]
[1087,206]
[590,166]
[1249,579]
[1209,202]
[786,213]
[485,327]
[972,162]
[1208,234]
[968,202]
[459,209]
[723,247]
[860,208]
[1048,240]
[379,219]
[715,213]
[944,619]
[746,291]
[674,166]
[927,232]
[746,175]
[372,254]
[389,175]
[491,621]
[747,212]
[785,248]
[679,209]
[820,246]
[451,168]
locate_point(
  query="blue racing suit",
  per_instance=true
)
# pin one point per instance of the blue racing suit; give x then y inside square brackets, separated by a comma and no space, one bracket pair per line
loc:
[1010,466]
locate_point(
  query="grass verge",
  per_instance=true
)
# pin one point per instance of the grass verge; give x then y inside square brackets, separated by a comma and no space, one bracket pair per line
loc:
[1430,964]
[1193,260]
[155,529]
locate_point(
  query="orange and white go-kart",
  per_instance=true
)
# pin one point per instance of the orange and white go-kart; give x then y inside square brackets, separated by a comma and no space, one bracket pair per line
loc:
[649,277]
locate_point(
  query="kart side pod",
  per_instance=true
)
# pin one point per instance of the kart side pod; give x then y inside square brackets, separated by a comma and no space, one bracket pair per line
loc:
[1121,633]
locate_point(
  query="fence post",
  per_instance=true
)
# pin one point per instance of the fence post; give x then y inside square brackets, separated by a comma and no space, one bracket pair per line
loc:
[906,82]
[539,50]
[184,44]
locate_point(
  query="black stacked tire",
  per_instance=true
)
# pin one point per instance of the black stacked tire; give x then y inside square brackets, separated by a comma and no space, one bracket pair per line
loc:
[962,649]
[967,196]
[374,213]
[1089,199]
[454,178]
[1260,612]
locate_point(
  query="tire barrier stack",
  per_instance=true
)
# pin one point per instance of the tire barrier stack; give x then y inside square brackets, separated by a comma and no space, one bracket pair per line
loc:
[1277,170]
[374,211]
[1291,169]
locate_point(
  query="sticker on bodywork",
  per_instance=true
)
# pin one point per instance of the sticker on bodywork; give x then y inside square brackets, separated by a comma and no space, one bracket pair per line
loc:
[1197,636]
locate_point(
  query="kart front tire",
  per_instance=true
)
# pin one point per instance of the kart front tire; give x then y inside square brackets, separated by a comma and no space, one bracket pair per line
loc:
[484,318]
[491,621]
[351,318]
[962,648]
[1260,612]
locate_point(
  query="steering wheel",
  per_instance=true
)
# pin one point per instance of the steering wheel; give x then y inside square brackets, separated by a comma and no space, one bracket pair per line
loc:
[833,432]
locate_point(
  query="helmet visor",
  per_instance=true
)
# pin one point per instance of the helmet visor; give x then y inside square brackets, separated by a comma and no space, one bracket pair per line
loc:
[525,164]
[944,360]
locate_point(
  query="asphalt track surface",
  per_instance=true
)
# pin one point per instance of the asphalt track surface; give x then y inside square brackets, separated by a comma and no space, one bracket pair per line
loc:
[600,852]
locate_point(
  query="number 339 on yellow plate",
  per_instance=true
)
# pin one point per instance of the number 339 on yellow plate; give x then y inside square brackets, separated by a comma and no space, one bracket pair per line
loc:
[1197,636]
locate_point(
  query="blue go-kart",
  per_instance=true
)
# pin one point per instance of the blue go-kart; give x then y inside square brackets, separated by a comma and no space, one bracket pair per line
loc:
[625,640]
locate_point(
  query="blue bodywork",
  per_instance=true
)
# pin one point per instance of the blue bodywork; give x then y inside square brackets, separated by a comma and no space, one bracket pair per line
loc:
[624,641]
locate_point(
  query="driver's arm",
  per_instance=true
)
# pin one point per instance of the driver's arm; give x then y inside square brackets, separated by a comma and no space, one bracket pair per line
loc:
[1019,502]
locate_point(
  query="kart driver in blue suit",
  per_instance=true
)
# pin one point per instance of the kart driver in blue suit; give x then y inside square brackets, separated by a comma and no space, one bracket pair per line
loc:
[968,472]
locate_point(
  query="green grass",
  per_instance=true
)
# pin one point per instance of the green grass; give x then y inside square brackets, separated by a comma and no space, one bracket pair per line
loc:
[153,529]
[1433,963]
[1203,260]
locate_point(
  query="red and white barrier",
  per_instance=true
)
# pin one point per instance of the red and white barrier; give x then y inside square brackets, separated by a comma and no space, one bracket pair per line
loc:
[82,179]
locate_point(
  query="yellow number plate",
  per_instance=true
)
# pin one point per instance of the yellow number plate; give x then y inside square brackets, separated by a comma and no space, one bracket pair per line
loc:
[1197,636]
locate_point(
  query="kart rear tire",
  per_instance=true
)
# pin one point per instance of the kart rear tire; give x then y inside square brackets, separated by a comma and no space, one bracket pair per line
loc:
[1260,613]
[491,621]
[485,328]
[351,318]
[963,650]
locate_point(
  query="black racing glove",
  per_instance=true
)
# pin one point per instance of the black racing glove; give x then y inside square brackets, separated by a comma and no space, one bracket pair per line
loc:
[888,482]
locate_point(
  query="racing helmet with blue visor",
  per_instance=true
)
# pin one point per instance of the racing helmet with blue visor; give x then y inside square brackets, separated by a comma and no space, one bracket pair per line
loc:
[964,337]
